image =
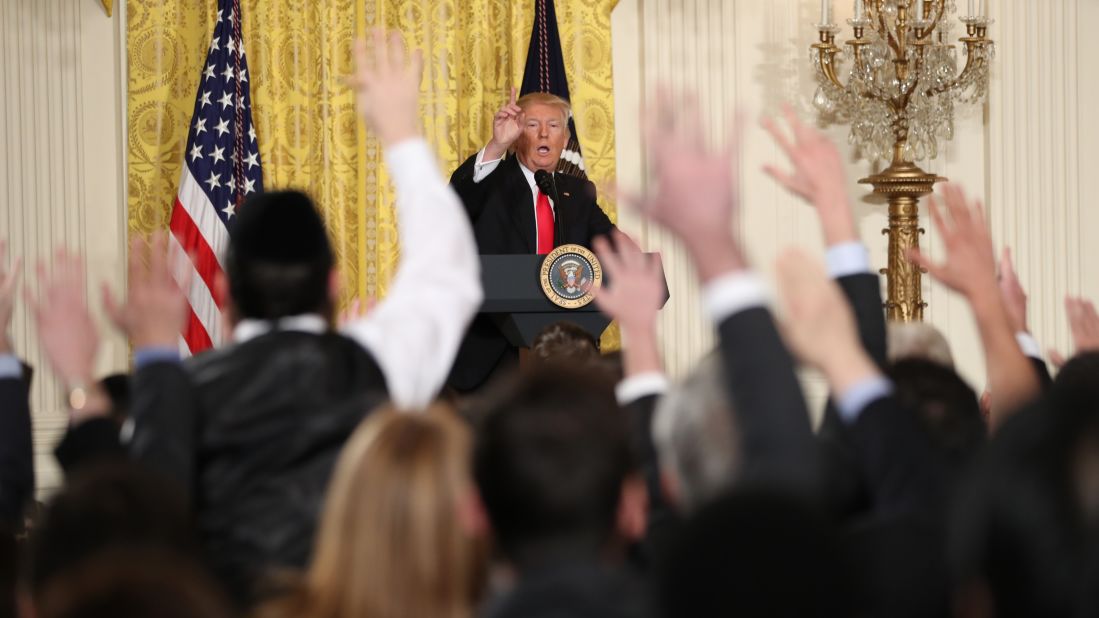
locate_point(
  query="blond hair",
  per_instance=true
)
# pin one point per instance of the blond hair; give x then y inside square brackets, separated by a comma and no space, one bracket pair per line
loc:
[545,98]
[389,543]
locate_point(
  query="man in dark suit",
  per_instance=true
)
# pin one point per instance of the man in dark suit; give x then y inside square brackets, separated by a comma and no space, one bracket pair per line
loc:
[512,213]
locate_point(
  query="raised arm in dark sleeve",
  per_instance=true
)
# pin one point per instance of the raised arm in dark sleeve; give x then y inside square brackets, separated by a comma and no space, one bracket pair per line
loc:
[771,415]
[16,452]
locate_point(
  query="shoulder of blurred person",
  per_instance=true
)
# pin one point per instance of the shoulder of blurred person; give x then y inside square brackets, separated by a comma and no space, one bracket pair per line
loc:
[395,537]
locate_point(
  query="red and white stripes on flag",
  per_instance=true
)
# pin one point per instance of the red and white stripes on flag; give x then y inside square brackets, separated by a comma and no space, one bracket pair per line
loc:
[221,168]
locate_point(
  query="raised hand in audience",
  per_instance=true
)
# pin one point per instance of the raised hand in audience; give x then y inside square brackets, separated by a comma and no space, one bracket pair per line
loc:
[633,299]
[1083,322]
[818,176]
[820,326]
[970,269]
[695,191]
[9,289]
[1011,290]
[387,88]
[154,310]
[68,334]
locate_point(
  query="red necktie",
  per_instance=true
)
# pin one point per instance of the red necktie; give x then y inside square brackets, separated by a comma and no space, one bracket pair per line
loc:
[544,212]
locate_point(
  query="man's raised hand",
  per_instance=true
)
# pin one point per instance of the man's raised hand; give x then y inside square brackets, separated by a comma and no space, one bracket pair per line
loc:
[154,311]
[1011,290]
[387,87]
[694,192]
[818,176]
[1083,322]
[970,264]
[636,292]
[506,128]
[65,327]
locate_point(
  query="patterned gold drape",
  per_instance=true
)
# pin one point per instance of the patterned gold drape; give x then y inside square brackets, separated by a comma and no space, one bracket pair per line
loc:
[309,136]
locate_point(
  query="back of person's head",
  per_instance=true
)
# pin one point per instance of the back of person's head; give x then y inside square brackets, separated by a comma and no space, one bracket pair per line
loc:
[117,387]
[564,342]
[755,553]
[917,340]
[391,541]
[133,584]
[552,458]
[279,259]
[106,506]
[696,436]
[945,404]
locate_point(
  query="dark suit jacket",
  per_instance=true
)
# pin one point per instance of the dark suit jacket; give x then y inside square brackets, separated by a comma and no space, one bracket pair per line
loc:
[16,453]
[501,209]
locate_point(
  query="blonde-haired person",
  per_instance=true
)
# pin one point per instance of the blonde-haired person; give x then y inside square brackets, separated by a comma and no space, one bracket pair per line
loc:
[400,535]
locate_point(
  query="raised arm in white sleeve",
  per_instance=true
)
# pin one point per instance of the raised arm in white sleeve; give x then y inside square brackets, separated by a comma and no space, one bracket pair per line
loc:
[482,168]
[414,333]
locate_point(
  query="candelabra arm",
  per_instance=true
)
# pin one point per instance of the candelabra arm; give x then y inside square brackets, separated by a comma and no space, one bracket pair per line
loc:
[827,63]
[971,64]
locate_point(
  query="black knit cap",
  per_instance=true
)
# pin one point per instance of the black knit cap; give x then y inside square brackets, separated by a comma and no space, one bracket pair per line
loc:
[279,257]
[280,227]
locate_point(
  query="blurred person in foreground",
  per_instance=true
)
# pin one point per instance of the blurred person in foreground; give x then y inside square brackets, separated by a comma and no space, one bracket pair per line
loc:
[251,431]
[401,533]
[556,472]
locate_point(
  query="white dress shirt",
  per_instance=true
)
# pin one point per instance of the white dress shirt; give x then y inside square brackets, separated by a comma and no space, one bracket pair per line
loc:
[482,169]
[414,332]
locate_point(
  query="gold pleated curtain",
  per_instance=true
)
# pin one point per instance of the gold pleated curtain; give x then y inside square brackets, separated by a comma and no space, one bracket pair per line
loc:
[309,135]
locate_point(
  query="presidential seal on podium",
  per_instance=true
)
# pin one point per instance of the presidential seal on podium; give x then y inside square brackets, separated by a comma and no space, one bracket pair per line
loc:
[569,275]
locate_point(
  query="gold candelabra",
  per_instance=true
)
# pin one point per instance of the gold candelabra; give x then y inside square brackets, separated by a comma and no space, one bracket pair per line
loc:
[899,98]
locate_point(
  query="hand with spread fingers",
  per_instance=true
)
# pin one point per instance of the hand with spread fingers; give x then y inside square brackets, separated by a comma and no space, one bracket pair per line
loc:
[970,264]
[633,298]
[9,289]
[970,269]
[507,126]
[695,191]
[1011,290]
[818,176]
[820,326]
[636,292]
[1083,322]
[154,311]
[387,87]
[68,335]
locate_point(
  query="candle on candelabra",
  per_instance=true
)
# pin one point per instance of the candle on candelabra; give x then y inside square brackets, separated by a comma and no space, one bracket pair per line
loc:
[860,9]
[970,13]
[825,9]
[919,10]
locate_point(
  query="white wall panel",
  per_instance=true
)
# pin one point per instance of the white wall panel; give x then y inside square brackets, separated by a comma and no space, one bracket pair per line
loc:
[61,181]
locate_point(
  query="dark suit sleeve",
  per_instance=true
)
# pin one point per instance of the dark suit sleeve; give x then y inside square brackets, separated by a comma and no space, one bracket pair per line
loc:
[598,223]
[473,194]
[88,442]
[662,519]
[771,415]
[16,452]
[863,291]
[165,410]
[1042,371]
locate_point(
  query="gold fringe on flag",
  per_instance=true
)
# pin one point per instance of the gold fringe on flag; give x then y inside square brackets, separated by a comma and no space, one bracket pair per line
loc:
[107,6]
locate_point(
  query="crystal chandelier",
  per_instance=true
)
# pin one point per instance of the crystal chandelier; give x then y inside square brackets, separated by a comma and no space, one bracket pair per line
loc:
[903,82]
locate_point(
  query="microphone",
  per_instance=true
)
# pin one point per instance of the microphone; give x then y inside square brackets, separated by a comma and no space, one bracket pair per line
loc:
[548,184]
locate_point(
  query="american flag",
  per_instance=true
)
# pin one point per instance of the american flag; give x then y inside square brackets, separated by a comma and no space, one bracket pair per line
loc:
[221,168]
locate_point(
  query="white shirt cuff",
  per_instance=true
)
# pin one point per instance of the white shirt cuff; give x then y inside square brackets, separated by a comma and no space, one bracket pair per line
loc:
[849,258]
[854,400]
[632,388]
[732,293]
[482,168]
[1029,345]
